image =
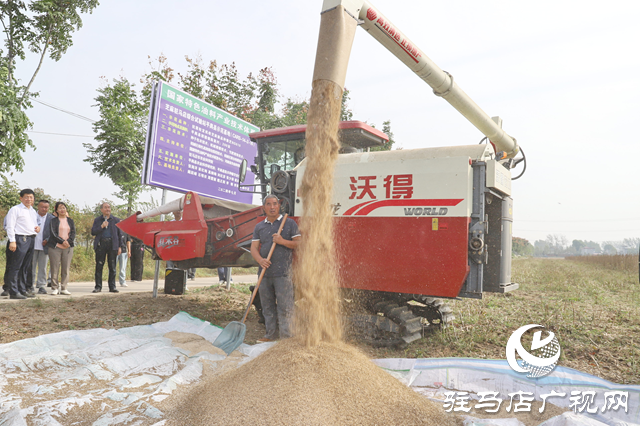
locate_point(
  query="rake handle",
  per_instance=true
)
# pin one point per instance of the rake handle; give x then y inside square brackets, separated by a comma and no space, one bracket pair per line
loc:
[255,290]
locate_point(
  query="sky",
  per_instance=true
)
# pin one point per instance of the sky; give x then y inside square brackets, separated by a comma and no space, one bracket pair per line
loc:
[563,76]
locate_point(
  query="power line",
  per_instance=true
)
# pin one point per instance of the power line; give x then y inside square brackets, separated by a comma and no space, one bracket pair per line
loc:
[82,117]
[61,134]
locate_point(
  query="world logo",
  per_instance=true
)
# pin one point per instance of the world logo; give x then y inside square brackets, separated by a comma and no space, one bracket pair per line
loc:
[540,360]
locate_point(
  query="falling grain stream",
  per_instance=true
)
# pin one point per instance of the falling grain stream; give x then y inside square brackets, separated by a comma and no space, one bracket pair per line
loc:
[314,378]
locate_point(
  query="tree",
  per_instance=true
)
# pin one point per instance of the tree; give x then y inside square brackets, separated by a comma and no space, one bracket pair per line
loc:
[578,245]
[541,248]
[557,243]
[521,247]
[387,146]
[13,124]
[9,193]
[631,243]
[121,132]
[345,112]
[42,27]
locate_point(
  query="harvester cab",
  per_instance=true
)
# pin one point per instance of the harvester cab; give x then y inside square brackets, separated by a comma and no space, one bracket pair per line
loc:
[281,150]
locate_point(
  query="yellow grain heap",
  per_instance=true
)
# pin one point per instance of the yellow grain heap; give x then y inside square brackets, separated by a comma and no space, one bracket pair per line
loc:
[330,384]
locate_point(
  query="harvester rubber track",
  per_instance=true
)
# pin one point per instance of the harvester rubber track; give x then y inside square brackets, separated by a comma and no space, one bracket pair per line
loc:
[396,320]
[435,311]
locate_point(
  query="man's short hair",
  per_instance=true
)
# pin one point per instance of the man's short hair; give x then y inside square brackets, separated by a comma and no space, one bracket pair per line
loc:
[269,196]
[44,201]
[26,191]
[102,205]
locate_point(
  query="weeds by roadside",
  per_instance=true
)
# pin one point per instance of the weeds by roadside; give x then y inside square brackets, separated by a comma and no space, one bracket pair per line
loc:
[622,262]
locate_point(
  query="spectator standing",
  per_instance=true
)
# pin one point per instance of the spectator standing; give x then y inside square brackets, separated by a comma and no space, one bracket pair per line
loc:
[5,285]
[137,259]
[40,249]
[107,246]
[224,276]
[21,230]
[62,234]
[121,263]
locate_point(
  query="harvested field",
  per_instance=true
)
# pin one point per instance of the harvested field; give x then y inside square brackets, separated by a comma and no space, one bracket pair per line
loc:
[593,310]
[620,262]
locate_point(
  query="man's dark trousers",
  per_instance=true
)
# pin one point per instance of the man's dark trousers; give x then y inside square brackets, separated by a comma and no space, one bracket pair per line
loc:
[103,251]
[20,266]
[5,286]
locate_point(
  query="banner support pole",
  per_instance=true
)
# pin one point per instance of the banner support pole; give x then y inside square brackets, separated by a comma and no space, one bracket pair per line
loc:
[157,273]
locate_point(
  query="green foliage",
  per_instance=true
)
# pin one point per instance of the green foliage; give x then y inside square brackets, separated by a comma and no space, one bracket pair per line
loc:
[9,193]
[121,133]
[42,27]
[345,112]
[252,98]
[521,247]
[294,112]
[387,146]
[13,124]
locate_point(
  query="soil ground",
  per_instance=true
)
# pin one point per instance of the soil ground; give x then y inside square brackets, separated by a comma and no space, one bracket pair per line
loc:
[593,311]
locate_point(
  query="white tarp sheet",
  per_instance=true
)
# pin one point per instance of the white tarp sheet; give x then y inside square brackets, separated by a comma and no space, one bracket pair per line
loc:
[478,375]
[123,374]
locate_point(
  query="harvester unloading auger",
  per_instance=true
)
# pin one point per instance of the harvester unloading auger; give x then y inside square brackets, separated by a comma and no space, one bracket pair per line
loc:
[411,226]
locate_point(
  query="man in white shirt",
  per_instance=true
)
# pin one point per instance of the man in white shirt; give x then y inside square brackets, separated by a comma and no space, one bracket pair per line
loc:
[21,230]
[40,250]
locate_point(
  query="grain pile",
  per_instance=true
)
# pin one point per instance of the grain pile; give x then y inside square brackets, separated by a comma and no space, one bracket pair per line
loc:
[192,343]
[313,378]
[291,384]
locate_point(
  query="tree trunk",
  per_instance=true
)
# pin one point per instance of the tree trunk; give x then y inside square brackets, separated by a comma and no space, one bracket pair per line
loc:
[25,95]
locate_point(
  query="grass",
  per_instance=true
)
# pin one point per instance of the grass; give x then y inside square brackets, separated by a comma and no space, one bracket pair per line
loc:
[593,310]
[623,262]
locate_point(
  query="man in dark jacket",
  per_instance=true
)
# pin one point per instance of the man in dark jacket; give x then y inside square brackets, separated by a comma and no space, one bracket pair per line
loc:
[107,244]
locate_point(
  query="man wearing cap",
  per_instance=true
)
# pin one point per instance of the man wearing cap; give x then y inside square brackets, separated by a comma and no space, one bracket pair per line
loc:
[276,289]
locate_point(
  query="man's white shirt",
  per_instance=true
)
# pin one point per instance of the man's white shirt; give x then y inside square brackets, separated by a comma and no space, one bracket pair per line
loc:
[21,220]
[40,221]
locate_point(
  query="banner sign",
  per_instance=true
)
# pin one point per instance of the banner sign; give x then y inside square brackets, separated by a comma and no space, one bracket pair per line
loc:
[194,146]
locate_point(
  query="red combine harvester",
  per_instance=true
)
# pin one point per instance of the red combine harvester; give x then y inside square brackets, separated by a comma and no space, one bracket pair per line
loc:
[411,225]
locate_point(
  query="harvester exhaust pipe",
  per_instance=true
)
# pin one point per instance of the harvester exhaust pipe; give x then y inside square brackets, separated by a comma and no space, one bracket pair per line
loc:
[440,81]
